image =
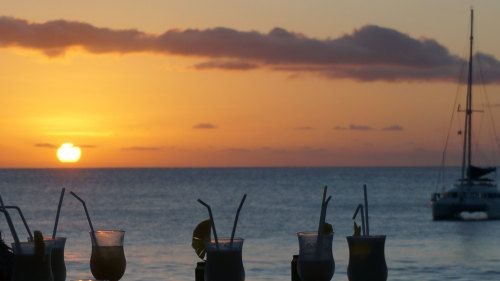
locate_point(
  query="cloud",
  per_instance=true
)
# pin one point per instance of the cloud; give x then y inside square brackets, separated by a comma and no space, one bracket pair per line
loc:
[204,126]
[46,145]
[225,65]
[273,150]
[238,150]
[369,53]
[353,127]
[360,127]
[308,149]
[142,148]
[87,146]
[393,128]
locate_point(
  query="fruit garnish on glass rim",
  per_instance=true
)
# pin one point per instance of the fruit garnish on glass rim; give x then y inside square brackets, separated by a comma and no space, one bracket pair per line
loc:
[357,230]
[201,235]
[39,245]
[328,228]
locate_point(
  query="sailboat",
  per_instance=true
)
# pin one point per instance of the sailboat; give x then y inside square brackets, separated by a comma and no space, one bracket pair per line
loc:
[476,190]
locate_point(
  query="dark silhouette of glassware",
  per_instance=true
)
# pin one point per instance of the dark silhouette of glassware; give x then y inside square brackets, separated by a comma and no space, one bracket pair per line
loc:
[366,258]
[107,261]
[57,245]
[315,261]
[31,267]
[224,262]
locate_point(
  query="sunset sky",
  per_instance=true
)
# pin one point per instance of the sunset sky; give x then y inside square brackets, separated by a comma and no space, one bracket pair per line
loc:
[160,83]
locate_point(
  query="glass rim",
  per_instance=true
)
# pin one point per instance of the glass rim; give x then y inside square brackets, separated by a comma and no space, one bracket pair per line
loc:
[366,237]
[55,238]
[312,233]
[108,231]
[225,239]
[28,248]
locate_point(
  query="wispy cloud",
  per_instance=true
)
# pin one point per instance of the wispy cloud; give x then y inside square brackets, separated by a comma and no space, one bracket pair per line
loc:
[227,65]
[393,128]
[309,149]
[46,145]
[142,148]
[204,126]
[367,54]
[273,150]
[238,150]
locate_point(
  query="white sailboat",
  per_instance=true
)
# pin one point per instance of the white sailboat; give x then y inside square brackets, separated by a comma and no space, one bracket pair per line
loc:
[476,190]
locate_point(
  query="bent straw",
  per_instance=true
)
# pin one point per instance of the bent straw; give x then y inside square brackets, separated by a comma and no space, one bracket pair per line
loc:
[320,227]
[366,210]
[322,216]
[236,220]
[88,217]
[24,220]
[11,225]
[57,214]
[360,207]
[324,206]
[212,220]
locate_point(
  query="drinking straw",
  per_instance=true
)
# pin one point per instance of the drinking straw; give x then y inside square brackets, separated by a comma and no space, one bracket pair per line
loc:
[57,214]
[88,217]
[212,220]
[366,210]
[360,207]
[236,219]
[24,220]
[11,225]
[322,216]
[321,212]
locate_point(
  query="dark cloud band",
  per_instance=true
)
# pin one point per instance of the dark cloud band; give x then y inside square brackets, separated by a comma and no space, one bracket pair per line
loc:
[368,54]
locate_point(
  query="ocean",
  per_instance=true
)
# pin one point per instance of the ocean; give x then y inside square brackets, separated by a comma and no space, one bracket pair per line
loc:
[158,210]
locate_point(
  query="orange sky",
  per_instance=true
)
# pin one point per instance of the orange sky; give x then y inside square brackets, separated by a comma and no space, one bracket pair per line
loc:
[166,90]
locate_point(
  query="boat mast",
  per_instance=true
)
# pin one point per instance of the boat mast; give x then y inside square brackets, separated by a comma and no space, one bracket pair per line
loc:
[466,160]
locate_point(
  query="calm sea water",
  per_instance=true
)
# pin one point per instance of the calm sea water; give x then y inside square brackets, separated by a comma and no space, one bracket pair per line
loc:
[158,210]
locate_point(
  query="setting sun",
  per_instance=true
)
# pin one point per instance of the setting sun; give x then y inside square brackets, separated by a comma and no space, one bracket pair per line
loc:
[69,153]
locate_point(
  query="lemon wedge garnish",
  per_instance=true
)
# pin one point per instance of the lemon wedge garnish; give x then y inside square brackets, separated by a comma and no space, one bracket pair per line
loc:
[39,245]
[328,228]
[201,234]
[357,230]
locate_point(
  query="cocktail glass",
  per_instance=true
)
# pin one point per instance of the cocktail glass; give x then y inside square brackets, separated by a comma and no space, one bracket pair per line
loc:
[31,267]
[107,261]
[366,258]
[315,261]
[57,257]
[224,263]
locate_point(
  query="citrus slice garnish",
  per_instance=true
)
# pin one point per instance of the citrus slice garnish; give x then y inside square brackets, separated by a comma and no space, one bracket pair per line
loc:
[357,230]
[201,234]
[39,245]
[328,228]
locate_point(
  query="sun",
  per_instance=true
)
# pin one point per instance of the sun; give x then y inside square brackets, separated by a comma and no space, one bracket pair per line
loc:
[68,153]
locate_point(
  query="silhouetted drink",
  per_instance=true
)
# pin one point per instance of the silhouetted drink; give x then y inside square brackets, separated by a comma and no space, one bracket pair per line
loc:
[366,258]
[315,261]
[107,261]
[57,257]
[225,262]
[28,266]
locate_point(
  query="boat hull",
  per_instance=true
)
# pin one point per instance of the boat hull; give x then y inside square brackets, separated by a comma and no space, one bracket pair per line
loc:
[452,208]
